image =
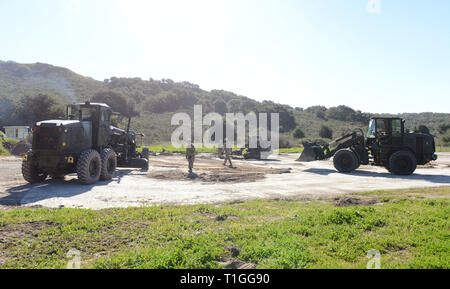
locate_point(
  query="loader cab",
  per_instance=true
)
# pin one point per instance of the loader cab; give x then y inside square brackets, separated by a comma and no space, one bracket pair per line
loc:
[386,131]
[96,119]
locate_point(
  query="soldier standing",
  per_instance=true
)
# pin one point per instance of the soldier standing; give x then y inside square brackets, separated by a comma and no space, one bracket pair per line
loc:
[190,156]
[228,151]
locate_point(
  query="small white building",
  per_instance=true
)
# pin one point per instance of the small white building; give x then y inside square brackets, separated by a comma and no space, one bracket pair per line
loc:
[17,132]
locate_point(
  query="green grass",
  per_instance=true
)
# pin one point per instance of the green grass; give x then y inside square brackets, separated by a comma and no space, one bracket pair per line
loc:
[410,228]
[170,148]
[3,151]
[291,150]
[442,149]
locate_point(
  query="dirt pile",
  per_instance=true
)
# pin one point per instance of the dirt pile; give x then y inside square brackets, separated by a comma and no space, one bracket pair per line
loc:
[9,234]
[352,201]
[234,262]
[20,148]
[207,177]
[231,263]
[215,175]
[208,169]
[8,145]
[5,144]
[234,250]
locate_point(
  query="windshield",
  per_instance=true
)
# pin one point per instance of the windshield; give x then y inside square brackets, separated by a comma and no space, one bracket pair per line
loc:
[72,113]
[81,113]
[371,131]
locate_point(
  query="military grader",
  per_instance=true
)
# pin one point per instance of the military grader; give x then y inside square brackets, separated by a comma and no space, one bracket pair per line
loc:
[386,144]
[85,143]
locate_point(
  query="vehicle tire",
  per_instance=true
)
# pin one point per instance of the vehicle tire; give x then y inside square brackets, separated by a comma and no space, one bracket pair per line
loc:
[89,167]
[345,161]
[109,164]
[402,163]
[145,153]
[30,173]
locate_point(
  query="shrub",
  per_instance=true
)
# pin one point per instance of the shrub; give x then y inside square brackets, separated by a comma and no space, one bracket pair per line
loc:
[298,133]
[326,132]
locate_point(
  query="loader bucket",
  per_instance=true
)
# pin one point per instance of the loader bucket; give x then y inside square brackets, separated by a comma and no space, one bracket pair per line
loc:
[309,154]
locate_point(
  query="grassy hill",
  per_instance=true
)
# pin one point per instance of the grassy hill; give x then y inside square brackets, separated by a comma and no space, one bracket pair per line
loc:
[157,100]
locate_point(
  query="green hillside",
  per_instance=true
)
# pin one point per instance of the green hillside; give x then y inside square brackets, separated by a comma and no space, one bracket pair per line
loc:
[156,100]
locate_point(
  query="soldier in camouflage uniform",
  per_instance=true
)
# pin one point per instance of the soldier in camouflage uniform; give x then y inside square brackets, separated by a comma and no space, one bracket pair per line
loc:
[228,152]
[190,156]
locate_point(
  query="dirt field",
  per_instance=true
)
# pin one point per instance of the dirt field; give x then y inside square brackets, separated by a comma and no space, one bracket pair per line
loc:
[168,182]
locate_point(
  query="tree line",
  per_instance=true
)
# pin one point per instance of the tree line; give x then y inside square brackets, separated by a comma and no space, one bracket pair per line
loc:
[32,92]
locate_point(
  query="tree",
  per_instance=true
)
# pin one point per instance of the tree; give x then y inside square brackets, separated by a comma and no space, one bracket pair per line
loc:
[446,138]
[40,107]
[117,101]
[248,105]
[234,105]
[298,133]
[220,106]
[286,116]
[318,110]
[326,132]
[443,128]
[422,129]
[341,112]
[6,112]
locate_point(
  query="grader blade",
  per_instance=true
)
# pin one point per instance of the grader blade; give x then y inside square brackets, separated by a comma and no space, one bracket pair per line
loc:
[134,163]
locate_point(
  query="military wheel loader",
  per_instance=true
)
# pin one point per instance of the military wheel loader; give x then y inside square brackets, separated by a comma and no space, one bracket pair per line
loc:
[386,144]
[86,144]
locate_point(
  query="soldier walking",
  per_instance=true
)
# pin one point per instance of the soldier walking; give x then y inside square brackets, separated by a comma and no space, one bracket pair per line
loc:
[228,151]
[190,156]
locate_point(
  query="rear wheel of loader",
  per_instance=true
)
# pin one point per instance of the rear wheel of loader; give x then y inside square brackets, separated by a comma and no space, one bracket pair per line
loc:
[345,161]
[89,167]
[109,164]
[402,163]
[30,173]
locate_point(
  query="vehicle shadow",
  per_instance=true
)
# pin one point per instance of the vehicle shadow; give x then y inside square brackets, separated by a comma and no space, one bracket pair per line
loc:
[262,160]
[54,188]
[438,179]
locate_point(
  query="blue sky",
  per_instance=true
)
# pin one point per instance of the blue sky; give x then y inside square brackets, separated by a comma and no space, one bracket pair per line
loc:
[302,53]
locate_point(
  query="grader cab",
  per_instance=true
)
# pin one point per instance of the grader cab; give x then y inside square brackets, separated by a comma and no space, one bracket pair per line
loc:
[85,144]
